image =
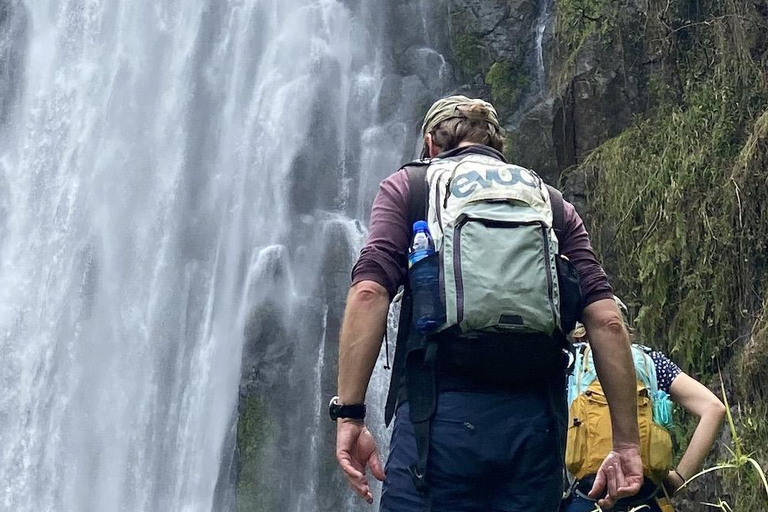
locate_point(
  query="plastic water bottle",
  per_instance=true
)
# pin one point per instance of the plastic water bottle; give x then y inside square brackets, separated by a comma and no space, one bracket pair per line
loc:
[424,275]
[422,245]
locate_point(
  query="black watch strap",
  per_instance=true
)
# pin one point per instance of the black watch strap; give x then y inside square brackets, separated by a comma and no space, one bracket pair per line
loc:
[351,411]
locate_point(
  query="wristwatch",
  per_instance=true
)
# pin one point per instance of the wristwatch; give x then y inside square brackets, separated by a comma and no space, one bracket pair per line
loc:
[352,411]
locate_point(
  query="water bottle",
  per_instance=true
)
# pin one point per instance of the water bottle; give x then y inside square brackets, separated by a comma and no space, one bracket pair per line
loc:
[424,275]
[422,245]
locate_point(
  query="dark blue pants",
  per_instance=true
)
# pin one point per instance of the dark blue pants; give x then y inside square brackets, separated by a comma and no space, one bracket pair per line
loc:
[579,503]
[489,452]
[582,505]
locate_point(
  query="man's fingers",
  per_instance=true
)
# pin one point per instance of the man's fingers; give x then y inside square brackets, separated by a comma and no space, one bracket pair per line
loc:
[609,499]
[375,463]
[631,488]
[621,482]
[360,486]
[355,477]
[350,469]
[613,483]
[598,488]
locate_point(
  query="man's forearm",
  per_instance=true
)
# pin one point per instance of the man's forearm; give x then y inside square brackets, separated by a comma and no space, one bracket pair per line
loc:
[620,390]
[365,320]
[615,368]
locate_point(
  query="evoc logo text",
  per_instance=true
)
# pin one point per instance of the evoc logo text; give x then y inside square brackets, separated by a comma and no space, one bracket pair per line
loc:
[467,183]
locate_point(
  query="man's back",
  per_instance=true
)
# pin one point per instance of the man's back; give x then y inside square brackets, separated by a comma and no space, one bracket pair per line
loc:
[440,380]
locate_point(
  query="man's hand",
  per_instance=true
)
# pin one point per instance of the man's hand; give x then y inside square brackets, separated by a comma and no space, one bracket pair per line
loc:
[620,475]
[356,450]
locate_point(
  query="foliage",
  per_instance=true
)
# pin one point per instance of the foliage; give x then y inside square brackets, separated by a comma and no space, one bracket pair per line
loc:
[507,84]
[681,207]
[676,196]
[578,20]
[469,53]
[745,465]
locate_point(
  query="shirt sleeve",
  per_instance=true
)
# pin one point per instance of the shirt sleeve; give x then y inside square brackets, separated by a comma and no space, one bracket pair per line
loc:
[576,246]
[384,258]
[666,370]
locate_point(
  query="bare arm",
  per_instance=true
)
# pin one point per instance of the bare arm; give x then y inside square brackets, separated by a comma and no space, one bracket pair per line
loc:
[613,361]
[378,272]
[695,398]
[365,320]
[621,473]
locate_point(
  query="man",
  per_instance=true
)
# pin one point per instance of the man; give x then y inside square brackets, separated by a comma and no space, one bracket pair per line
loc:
[493,428]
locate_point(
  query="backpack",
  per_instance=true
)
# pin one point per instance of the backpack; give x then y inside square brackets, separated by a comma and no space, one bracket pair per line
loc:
[589,437]
[493,225]
[428,181]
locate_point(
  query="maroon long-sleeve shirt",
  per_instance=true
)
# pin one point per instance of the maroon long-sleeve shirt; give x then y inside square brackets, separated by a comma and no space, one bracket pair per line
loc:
[384,257]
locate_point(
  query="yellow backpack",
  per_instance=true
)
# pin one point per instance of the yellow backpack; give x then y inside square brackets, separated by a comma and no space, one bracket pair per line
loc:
[589,423]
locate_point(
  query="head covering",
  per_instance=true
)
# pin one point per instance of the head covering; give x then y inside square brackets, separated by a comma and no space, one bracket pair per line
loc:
[623,309]
[454,107]
[581,332]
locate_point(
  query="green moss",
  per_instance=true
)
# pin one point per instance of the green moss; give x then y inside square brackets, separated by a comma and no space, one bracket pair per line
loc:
[253,428]
[690,226]
[681,203]
[469,53]
[578,20]
[507,84]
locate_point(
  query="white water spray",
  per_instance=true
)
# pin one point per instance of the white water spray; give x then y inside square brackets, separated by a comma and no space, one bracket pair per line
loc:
[155,158]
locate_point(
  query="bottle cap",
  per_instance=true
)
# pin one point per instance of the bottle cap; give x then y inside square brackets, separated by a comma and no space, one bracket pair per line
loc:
[420,225]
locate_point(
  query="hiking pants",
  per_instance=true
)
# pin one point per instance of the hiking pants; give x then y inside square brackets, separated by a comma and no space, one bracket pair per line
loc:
[583,505]
[489,452]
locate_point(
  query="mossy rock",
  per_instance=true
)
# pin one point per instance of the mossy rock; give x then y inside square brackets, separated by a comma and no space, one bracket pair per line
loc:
[253,430]
[470,53]
[580,19]
[508,82]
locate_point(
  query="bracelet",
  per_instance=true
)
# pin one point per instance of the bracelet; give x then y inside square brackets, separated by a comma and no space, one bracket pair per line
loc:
[681,476]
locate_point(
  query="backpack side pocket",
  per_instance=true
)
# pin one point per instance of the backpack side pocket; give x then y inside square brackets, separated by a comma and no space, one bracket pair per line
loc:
[571,302]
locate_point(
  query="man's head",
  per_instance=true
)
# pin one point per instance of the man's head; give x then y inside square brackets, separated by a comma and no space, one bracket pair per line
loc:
[457,120]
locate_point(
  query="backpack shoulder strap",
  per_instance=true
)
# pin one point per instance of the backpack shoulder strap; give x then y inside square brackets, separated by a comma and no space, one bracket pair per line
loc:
[417,204]
[576,383]
[648,369]
[558,210]
[417,191]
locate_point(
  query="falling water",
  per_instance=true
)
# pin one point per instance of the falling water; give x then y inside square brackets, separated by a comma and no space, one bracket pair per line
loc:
[538,88]
[178,181]
[543,20]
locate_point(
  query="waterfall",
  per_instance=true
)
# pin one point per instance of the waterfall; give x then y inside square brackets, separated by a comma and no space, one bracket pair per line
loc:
[183,189]
[543,20]
[538,90]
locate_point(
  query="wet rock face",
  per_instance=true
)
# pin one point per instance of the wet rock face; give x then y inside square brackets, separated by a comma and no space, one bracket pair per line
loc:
[531,143]
[492,44]
[603,90]
[583,98]
[503,27]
